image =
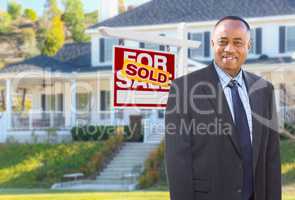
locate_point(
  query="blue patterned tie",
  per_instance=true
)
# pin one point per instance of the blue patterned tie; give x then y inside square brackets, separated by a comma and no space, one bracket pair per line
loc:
[243,130]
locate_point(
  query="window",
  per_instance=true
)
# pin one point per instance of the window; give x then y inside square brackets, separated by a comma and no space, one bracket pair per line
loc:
[204,50]
[253,41]
[106,49]
[84,102]
[151,46]
[52,102]
[105,100]
[2,100]
[197,52]
[290,39]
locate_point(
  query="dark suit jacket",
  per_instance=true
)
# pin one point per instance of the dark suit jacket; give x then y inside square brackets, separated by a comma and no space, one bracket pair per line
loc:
[203,156]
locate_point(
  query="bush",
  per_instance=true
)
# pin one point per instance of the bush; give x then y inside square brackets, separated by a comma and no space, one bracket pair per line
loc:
[95,133]
[153,168]
[5,22]
[41,165]
[290,128]
[99,159]
[30,14]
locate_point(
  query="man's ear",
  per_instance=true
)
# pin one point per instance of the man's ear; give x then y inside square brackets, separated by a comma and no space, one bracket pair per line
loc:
[250,44]
[212,43]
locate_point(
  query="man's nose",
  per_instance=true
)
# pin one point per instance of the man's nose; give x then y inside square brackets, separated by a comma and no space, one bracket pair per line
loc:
[229,48]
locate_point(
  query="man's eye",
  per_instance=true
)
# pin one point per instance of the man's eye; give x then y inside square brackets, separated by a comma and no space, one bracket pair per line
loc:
[238,43]
[222,42]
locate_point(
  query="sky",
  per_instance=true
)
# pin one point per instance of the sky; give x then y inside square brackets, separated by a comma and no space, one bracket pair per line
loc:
[37,5]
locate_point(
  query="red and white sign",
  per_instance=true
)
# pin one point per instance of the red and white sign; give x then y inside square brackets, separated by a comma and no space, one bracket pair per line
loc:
[142,78]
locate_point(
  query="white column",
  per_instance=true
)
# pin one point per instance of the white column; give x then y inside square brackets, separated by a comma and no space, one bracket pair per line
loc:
[8,103]
[67,104]
[278,106]
[73,101]
[181,66]
[112,108]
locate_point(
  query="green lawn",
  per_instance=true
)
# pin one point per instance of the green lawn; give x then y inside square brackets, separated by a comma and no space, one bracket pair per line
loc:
[51,161]
[288,163]
[41,165]
[139,195]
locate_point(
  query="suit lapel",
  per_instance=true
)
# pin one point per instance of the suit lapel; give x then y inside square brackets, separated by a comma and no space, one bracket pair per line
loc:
[256,109]
[221,106]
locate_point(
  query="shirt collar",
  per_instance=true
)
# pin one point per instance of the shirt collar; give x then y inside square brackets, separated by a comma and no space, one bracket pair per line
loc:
[225,78]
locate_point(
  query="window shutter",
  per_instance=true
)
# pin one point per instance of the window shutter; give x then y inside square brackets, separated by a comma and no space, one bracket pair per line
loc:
[189,36]
[207,44]
[43,102]
[102,100]
[282,39]
[258,39]
[141,45]
[101,50]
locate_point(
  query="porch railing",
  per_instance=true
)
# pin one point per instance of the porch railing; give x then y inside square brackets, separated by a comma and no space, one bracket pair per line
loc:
[60,120]
[287,114]
[37,120]
[103,118]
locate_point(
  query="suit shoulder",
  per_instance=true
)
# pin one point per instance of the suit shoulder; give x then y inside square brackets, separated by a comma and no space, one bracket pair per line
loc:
[255,78]
[191,75]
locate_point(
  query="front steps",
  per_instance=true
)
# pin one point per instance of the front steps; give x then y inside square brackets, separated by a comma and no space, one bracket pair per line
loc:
[121,173]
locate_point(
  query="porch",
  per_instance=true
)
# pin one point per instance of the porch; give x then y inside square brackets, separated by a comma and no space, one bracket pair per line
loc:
[40,103]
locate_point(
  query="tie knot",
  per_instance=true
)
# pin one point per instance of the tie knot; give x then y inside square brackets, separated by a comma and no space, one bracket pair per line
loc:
[233,83]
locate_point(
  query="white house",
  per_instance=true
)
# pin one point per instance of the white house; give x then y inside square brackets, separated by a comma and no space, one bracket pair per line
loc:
[75,86]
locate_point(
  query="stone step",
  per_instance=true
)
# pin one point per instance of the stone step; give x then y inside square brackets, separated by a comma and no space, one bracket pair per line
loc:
[131,149]
[115,173]
[116,178]
[118,166]
[135,151]
[130,156]
[126,162]
[135,155]
[121,182]
[97,186]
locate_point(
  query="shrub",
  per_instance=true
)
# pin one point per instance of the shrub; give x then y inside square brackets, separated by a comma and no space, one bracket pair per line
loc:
[153,168]
[91,132]
[290,128]
[30,14]
[99,159]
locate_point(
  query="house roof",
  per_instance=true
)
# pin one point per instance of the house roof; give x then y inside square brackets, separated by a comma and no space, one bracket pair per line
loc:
[71,51]
[72,57]
[174,11]
[49,64]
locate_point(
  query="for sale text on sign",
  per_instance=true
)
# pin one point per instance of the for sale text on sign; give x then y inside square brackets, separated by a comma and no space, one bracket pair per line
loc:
[142,78]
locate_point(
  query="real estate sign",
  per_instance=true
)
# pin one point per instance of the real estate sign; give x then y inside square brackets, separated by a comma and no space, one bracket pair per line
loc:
[142,77]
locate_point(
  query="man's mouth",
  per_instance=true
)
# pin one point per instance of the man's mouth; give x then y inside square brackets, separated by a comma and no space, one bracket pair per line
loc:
[229,58]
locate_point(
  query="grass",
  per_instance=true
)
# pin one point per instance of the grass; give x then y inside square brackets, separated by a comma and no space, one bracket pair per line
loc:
[40,165]
[87,195]
[288,163]
[29,160]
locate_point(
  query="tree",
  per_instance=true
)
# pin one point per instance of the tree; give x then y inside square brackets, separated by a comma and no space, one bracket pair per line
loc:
[50,34]
[5,22]
[122,8]
[30,14]
[53,38]
[29,47]
[51,10]
[74,19]
[14,9]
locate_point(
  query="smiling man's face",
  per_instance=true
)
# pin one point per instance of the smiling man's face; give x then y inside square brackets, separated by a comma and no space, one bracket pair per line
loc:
[230,42]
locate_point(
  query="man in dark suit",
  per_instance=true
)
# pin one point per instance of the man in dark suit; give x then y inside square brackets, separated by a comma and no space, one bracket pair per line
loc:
[221,136]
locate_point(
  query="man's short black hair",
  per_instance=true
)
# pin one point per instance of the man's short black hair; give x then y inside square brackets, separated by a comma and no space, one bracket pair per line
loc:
[233,18]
